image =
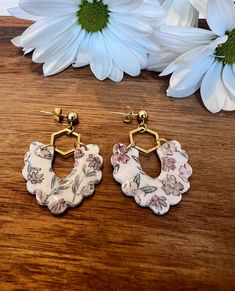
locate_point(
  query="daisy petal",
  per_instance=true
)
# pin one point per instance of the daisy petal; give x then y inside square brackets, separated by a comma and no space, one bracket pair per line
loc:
[132,24]
[49,50]
[100,60]
[188,79]
[160,61]
[200,5]
[143,44]
[213,91]
[120,54]
[180,13]
[17,41]
[65,55]
[229,104]
[185,59]
[122,6]
[83,58]
[46,30]
[221,16]
[50,7]
[116,74]
[21,14]
[229,79]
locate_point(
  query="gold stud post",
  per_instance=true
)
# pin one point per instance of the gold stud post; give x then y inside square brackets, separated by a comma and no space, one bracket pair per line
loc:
[57,114]
[128,115]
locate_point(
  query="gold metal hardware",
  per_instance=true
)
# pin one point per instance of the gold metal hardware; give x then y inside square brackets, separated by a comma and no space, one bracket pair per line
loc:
[72,119]
[142,117]
[65,131]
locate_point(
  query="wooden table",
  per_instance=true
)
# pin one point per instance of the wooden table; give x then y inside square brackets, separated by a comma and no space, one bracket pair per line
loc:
[109,242]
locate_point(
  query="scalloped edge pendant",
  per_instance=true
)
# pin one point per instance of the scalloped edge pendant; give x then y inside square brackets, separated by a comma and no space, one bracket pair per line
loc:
[59,194]
[156,193]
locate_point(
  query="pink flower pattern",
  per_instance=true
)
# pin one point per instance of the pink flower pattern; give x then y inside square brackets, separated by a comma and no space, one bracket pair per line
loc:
[158,203]
[41,196]
[35,178]
[95,162]
[132,189]
[58,207]
[79,153]
[120,155]
[168,164]
[171,186]
[43,152]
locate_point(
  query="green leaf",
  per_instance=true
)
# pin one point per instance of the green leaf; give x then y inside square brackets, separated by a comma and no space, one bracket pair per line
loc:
[141,171]
[137,180]
[84,170]
[29,168]
[54,181]
[148,189]
[72,173]
[136,159]
[76,185]
[90,174]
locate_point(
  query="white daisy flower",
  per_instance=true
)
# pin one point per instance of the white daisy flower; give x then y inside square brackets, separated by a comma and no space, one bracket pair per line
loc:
[183,12]
[4,5]
[174,42]
[112,36]
[211,63]
[178,13]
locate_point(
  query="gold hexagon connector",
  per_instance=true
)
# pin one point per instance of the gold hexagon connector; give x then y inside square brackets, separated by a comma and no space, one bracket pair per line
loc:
[151,132]
[66,131]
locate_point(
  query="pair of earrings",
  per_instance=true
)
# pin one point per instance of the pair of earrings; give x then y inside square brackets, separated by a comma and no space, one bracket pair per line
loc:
[58,194]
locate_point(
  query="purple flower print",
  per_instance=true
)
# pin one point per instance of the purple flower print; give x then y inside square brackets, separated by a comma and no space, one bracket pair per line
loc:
[168,164]
[79,153]
[41,196]
[88,189]
[120,155]
[158,203]
[35,178]
[169,148]
[43,152]
[171,186]
[58,207]
[185,172]
[95,162]
[132,189]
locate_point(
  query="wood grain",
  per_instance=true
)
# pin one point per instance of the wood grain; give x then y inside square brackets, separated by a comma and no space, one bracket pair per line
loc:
[109,242]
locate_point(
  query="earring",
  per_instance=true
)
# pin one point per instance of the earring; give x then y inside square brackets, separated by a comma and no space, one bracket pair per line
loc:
[56,193]
[156,193]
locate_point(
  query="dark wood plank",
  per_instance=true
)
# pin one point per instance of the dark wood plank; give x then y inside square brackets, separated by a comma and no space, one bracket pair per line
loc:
[110,243]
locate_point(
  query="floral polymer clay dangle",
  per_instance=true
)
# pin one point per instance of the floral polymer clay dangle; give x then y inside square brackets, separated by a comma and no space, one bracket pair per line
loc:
[156,193]
[56,193]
